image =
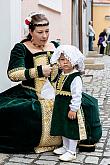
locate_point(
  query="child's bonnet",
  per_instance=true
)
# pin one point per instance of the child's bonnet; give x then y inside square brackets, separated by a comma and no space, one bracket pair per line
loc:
[70,52]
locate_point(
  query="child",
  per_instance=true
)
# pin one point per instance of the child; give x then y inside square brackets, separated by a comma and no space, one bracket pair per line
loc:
[67,119]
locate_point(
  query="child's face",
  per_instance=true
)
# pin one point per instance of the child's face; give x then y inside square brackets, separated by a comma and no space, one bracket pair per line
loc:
[65,64]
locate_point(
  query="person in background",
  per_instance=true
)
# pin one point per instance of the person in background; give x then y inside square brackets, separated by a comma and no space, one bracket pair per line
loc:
[107,51]
[91,34]
[67,118]
[26,107]
[102,41]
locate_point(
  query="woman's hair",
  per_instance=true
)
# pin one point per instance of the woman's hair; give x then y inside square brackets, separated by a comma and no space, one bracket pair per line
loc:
[36,20]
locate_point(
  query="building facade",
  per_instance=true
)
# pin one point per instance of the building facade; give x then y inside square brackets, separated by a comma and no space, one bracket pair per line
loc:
[68,23]
[101,16]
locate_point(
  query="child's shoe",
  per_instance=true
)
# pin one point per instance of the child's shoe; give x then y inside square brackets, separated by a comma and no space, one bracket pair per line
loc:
[60,150]
[68,156]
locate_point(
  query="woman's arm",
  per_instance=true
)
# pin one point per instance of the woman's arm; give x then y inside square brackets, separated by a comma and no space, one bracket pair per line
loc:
[17,70]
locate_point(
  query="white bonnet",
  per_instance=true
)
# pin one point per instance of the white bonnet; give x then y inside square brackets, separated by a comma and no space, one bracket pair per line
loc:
[70,52]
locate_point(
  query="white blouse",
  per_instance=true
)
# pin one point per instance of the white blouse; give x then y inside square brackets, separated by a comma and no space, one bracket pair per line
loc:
[76,91]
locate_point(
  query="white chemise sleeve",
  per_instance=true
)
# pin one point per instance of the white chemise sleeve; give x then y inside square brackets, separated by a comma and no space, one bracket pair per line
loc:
[76,91]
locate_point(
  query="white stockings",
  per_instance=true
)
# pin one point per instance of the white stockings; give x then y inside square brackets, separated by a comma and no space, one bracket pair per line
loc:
[70,144]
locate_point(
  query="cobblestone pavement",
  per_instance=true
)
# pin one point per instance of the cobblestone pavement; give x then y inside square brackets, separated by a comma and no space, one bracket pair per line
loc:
[99,87]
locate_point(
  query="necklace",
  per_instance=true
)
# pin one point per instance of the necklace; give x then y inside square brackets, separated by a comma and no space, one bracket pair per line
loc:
[41,47]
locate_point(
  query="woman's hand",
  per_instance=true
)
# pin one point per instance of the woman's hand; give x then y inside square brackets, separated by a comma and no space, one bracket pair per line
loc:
[71,115]
[46,70]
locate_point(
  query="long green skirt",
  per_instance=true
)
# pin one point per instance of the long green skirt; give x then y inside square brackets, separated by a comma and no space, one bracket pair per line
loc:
[20,120]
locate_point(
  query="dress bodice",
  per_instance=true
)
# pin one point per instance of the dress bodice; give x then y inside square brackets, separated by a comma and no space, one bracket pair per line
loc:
[22,57]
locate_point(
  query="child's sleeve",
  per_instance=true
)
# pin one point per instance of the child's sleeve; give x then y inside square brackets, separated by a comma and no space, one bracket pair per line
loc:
[76,92]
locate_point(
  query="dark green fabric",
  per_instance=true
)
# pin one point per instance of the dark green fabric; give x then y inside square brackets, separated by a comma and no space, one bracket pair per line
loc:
[40,73]
[27,76]
[61,124]
[20,110]
[91,113]
[20,119]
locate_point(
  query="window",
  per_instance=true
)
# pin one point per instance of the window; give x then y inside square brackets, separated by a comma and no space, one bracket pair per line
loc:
[107,17]
[52,4]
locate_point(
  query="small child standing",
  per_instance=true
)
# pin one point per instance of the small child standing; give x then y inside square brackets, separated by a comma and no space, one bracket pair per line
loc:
[67,119]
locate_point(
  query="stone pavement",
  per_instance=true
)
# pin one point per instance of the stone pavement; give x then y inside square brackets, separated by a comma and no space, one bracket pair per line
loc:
[99,87]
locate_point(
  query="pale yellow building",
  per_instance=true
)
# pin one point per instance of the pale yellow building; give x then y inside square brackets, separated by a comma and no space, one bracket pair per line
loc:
[101,16]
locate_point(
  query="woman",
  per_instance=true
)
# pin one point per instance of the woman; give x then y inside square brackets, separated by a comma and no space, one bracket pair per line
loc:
[26,109]
[102,41]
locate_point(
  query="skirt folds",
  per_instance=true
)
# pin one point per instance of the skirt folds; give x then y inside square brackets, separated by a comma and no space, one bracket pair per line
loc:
[20,120]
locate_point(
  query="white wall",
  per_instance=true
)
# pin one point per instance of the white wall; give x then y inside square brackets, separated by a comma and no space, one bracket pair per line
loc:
[60,20]
[85,32]
[4,42]
[75,25]
[10,33]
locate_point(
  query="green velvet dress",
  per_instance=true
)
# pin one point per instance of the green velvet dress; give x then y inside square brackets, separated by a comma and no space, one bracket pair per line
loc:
[61,125]
[20,109]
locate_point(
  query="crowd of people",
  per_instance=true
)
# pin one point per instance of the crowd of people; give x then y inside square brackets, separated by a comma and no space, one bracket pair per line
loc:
[43,112]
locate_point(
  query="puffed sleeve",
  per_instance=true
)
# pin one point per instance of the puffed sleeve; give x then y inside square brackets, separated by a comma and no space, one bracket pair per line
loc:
[16,68]
[17,57]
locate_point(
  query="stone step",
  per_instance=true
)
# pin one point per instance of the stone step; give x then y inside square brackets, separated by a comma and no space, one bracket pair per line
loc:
[96,66]
[94,55]
[87,78]
[94,51]
[89,61]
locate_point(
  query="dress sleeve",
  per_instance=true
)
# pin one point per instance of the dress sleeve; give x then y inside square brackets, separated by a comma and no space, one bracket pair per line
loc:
[76,91]
[16,68]
[17,57]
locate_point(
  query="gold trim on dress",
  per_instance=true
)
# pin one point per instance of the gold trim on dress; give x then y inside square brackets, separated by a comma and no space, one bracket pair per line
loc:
[39,82]
[82,129]
[86,145]
[47,142]
[17,74]
[81,123]
[16,69]
[28,87]
[54,72]
[64,93]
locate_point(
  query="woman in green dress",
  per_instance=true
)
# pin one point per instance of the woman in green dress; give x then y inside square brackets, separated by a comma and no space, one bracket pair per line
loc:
[26,109]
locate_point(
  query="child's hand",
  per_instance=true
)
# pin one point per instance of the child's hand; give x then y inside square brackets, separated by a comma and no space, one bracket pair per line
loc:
[46,70]
[71,115]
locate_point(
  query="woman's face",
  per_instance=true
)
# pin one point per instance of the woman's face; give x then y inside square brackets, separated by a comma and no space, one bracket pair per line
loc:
[40,35]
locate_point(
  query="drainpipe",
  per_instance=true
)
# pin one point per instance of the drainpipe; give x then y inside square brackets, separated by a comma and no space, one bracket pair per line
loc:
[92,10]
[80,25]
